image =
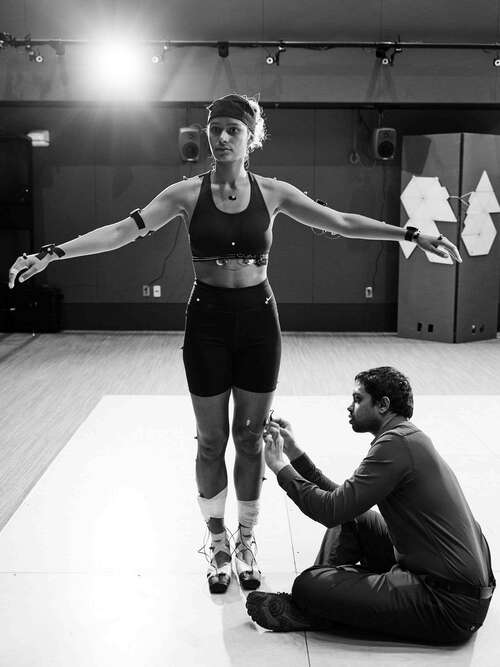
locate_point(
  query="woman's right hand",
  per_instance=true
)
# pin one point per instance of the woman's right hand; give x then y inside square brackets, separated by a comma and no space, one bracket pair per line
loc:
[25,267]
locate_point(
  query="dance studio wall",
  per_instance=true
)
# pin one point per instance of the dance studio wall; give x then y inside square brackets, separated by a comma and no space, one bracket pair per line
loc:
[103,162]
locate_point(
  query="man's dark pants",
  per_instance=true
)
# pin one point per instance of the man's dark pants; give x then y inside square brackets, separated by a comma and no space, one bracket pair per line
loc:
[377,595]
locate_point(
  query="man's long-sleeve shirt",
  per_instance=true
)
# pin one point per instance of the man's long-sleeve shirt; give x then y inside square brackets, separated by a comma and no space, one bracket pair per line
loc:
[429,521]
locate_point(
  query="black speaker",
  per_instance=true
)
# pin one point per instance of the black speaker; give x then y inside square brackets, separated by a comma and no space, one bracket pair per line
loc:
[384,143]
[189,144]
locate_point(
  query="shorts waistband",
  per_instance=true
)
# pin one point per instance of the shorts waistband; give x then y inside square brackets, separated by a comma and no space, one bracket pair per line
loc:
[233,298]
[200,283]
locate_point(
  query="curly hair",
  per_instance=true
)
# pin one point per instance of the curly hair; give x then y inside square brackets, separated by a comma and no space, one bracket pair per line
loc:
[388,381]
[260,133]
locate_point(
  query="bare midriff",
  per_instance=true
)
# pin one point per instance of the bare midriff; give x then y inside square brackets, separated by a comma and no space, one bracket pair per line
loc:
[235,273]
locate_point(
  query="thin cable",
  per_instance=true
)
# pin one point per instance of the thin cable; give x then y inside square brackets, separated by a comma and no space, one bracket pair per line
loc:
[169,254]
[362,121]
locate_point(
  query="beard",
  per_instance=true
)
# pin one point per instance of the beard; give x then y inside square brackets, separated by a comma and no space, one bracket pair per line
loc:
[361,427]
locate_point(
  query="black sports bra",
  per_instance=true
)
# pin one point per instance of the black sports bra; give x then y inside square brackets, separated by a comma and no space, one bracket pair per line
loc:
[214,234]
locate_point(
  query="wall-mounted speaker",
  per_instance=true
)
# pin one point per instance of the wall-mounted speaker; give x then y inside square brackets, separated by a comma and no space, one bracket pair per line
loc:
[384,143]
[189,144]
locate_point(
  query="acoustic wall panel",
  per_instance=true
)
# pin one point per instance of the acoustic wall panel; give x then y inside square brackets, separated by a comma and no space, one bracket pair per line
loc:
[426,301]
[452,302]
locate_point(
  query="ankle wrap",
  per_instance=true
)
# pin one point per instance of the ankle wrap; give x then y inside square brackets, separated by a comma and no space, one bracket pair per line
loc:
[213,508]
[248,512]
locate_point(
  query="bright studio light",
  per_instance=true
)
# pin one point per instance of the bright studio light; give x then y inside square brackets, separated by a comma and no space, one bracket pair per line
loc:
[117,68]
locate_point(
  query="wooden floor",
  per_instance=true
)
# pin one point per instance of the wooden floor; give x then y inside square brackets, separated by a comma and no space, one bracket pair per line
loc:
[51,382]
[90,425]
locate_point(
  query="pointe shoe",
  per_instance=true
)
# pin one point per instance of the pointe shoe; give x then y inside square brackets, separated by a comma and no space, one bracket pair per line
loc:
[245,552]
[219,564]
[276,611]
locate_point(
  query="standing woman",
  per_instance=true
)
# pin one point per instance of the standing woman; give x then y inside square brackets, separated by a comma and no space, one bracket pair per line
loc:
[232,338]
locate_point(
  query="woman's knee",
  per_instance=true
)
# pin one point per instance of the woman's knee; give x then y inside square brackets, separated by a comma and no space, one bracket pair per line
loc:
[212,443]
[247,443]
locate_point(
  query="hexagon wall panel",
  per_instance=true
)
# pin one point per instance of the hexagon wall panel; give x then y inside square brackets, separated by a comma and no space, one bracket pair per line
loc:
[478,233]
[479,229]
[426,200]
[424,196]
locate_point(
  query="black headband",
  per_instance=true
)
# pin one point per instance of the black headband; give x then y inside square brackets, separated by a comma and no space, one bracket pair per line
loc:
[233,106]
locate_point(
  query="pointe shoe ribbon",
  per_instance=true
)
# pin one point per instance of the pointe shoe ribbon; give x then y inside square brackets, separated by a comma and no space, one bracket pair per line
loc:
[248,572]
[219,569]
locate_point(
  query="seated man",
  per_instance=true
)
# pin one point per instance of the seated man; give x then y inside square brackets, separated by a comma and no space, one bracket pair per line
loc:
[424,571]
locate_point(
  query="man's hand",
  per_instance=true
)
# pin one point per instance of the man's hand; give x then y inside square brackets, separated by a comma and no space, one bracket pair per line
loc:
[273,449]
[289,445]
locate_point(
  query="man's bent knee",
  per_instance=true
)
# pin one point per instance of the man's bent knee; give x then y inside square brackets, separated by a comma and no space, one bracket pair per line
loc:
[301,588]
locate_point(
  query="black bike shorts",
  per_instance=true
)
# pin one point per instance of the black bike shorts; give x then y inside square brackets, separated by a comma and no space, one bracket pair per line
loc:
[232,339]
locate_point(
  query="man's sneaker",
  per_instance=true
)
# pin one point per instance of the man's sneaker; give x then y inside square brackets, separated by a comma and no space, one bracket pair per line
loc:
[276,611]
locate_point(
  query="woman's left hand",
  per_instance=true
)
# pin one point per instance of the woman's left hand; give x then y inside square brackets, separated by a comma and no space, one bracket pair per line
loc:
[438,245]
[273,449]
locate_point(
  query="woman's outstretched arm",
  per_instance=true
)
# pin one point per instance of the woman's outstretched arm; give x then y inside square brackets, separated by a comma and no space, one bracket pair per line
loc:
[166,206]
[300,207]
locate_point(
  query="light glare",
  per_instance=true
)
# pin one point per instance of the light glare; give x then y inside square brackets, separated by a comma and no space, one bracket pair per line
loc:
[116,67]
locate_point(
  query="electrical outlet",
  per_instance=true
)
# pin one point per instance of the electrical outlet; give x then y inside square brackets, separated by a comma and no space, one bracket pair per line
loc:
[368,292]
[156,290]
[146,290]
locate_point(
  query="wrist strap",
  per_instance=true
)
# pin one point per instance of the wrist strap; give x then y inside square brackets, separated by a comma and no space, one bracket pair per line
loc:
[411,234]
[50,249]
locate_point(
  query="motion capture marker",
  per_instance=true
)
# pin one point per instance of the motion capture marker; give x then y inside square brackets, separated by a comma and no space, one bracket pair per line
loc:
[248,424]
[233,243]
